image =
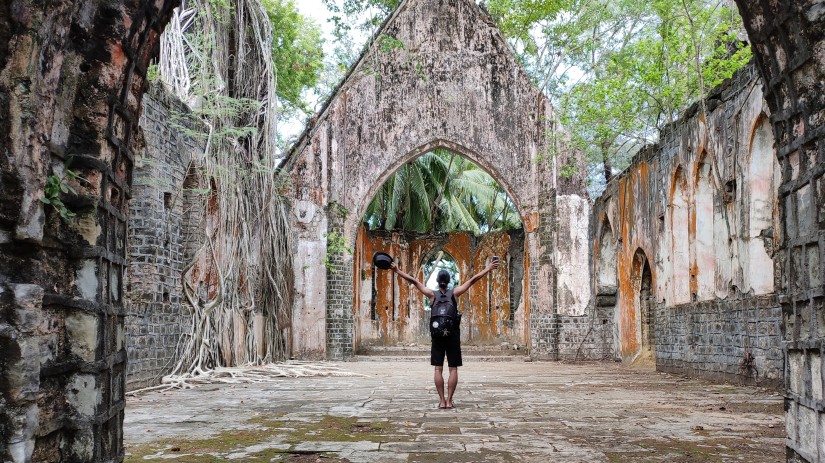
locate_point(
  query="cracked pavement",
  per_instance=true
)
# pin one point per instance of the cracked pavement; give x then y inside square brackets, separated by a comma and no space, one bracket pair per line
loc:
[506,411]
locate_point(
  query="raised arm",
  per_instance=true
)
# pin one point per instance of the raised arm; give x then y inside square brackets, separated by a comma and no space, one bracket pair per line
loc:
[466,285]
[421,286]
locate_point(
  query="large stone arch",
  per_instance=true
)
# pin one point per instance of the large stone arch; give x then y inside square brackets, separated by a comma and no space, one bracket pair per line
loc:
[445,77]
[480,160]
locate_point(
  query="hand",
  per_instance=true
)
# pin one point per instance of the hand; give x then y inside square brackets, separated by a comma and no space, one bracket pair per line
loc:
[492,265]
[393,267]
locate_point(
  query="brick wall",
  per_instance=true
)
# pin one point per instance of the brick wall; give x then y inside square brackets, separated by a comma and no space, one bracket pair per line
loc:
[788,38]
[696,215]
[574,338]
[340,321]
[714,339]
[160,233]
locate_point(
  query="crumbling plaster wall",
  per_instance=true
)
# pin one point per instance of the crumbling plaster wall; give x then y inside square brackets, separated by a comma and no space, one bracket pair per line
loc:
[453,84]
[788,39]
[391,311]
[701,208]
[72,76]
[163,225]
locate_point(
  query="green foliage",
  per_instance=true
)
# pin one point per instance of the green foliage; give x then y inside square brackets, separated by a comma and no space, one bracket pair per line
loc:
[568,170]
[618,70]
[336,244]
[152,73]
[361,15]
[338,209]
[441,191]
[387,44]
[57,185]
[350,19]
[296,52]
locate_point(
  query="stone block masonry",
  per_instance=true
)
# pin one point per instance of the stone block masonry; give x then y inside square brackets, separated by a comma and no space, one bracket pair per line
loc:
[788,40]
[160,232]
[574,338]
[734,340]
[684,239]
[72,77]
[340,318]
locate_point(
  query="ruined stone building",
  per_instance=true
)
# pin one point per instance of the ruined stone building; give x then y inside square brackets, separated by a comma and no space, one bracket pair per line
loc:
[702,258]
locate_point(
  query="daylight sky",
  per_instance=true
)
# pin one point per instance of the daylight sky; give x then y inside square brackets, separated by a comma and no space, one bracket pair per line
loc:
[316,10]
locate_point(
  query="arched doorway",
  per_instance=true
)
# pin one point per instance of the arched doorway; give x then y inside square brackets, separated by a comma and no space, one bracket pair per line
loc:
[644,307]
[473,219]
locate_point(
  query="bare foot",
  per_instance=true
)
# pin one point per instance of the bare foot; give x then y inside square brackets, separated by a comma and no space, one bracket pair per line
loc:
[450,405]
[443,404]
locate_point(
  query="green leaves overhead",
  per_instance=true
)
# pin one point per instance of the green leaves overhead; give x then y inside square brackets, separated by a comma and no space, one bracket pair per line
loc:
[441,191]
[619,70]
[296,52]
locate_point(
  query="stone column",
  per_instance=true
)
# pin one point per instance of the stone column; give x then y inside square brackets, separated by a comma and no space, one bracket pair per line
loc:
[72,75]
[788,39]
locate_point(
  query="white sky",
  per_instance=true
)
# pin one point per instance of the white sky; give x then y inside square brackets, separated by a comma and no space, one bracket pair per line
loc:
[316,10]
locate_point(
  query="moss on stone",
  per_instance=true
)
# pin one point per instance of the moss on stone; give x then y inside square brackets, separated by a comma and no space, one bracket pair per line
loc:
[265,429]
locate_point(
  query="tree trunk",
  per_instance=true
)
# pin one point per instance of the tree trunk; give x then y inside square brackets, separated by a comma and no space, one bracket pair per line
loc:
[608,166]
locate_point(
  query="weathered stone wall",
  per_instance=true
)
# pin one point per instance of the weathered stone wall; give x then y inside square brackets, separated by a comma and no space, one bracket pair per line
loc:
[454,84]
[163,223]
[388,310]
[788,38]
[684,242]
[733,340]
[72,77]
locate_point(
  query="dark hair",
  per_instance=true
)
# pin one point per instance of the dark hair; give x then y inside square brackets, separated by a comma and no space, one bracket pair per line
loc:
[443,278]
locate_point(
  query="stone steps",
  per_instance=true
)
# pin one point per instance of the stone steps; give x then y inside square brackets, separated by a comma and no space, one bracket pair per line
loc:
[421,353]
[426,358]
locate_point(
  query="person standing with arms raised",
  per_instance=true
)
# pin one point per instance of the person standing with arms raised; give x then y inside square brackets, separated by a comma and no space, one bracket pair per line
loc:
[444,326]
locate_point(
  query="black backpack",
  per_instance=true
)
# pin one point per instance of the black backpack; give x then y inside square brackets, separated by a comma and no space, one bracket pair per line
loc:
[444,316]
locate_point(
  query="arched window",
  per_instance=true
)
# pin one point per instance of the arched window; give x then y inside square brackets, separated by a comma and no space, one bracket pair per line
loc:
[705,255]
[680,239]
[607,260]
[762,194]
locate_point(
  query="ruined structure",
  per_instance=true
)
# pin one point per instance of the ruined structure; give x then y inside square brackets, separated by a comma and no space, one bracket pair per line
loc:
[72,76]
[788,40]
[390,311]
[436,75]
[166,227]
[684,239]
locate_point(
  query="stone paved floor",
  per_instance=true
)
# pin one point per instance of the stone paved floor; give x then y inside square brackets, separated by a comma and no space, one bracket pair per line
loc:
[506,411]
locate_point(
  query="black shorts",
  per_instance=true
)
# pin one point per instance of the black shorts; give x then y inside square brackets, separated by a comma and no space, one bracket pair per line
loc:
[451,346]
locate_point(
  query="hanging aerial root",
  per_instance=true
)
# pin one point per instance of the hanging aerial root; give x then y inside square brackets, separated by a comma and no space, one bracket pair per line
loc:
[248,374]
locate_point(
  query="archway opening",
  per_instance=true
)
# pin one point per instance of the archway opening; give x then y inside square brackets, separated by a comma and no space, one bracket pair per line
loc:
[440,211]
[443,261]
[644,307]
[441,191]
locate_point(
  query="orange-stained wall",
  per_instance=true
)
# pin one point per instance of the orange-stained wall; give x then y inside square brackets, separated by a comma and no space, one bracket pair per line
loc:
[400,315]
[699,175]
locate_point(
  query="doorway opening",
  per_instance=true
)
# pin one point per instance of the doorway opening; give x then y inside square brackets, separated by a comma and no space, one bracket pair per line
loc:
[440,211]
[645,307]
